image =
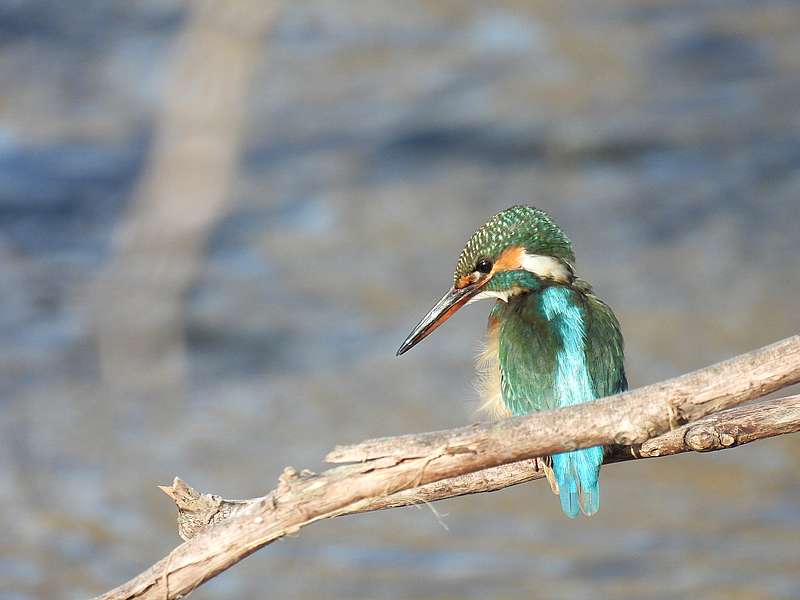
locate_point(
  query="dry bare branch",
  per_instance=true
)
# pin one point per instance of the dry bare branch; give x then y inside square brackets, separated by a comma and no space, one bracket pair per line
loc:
[460,461]
[720,431]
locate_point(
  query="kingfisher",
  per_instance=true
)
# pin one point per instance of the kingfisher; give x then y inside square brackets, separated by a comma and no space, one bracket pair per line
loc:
[550,342]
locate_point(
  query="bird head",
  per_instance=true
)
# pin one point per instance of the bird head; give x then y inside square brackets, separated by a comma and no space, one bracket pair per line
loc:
[515,251]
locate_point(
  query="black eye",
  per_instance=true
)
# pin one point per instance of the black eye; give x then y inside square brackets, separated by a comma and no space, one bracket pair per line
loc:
[484,265]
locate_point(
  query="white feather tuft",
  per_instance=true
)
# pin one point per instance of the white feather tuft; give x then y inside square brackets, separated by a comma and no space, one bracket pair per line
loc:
[488,381]
[546,267]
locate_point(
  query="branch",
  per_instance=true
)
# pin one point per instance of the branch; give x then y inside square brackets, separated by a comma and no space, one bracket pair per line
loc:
[389,467]
[720,431]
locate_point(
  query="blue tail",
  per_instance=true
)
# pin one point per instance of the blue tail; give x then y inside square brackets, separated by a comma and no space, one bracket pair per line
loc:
[576,474]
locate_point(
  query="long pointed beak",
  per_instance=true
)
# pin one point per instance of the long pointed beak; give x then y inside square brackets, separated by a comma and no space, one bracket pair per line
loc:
[453,299]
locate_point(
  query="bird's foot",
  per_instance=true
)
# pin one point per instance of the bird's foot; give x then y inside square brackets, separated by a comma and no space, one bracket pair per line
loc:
[547,464]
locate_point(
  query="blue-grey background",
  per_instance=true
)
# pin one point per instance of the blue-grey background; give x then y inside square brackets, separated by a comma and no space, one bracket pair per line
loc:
[664,136]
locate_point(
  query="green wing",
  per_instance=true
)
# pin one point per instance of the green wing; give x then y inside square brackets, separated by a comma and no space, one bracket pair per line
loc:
[604,348]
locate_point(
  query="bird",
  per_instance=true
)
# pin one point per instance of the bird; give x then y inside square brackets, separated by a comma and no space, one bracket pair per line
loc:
[550,341]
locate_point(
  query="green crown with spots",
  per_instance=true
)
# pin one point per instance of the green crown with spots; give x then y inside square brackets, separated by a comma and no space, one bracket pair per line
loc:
[525,226]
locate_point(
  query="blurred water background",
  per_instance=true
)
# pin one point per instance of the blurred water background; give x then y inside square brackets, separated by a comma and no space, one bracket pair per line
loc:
[141,340]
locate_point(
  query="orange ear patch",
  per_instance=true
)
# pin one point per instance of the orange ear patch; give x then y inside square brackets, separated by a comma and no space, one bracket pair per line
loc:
[509,260]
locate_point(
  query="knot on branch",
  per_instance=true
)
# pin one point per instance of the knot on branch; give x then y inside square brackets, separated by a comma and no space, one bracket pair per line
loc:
[197,511]
[289,477]
[708,437]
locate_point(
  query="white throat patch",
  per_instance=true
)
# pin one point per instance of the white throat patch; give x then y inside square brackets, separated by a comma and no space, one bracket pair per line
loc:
[504,296]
